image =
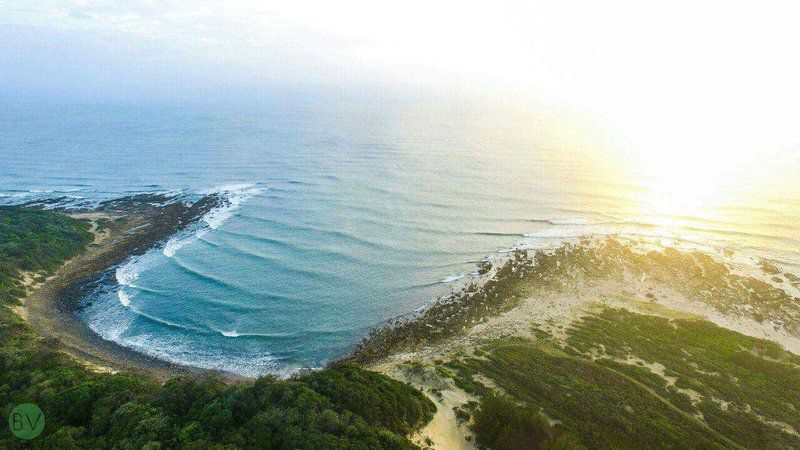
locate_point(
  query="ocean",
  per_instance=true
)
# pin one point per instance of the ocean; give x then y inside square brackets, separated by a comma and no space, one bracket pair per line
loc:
[344,214]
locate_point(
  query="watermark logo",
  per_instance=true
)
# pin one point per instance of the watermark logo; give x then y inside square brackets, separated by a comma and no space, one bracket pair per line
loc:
[26,421]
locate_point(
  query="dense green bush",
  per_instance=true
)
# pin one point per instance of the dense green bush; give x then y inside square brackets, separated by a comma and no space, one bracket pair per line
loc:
[343,406]
[36,241]
[629,380]
[128,411]
[378,399]
[502,424]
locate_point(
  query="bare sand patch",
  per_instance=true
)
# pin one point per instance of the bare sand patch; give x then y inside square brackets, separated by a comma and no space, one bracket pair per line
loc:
[717,290]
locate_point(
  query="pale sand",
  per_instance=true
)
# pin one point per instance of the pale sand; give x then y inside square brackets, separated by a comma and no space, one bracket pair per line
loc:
[44,308]
[443,430]
[555,310]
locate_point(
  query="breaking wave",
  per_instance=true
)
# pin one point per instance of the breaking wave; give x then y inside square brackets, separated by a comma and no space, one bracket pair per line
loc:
[232,198]
[233,195]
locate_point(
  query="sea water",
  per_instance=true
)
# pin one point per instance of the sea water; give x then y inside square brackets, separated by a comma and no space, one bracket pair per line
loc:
[344,214]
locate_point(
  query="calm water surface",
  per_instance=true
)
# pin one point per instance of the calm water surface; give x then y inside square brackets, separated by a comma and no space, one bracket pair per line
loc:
[346,214]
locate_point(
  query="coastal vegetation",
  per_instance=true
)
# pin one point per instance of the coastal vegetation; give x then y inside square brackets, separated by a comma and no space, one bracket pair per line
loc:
[611,378]
[642,376]
[627,380]
[503,424]
[37,242]
[697,276]
[342,406]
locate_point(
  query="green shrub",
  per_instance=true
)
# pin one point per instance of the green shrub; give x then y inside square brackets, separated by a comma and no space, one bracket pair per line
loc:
[343,406]
[502,424]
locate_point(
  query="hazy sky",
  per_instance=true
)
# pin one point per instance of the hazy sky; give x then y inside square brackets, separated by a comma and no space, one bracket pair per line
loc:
[707,68]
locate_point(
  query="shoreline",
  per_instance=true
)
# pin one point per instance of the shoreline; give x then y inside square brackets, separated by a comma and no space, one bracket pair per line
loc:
[546,293]
[750,300]
[131,226]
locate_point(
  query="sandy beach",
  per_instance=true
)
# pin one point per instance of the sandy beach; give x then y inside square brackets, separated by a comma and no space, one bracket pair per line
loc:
[130,227]
[516,296]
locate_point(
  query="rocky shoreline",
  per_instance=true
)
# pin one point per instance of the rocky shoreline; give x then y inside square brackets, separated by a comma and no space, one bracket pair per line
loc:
[123,227]
[147,220]
[762,297]
[133,225]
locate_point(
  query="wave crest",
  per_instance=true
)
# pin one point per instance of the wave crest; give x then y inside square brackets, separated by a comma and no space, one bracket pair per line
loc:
[233,196]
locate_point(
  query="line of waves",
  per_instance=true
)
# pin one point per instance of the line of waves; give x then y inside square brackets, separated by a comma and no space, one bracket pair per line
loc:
[234,195]
[552,233]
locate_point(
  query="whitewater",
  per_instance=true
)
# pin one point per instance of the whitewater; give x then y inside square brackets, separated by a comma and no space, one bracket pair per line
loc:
[341,217]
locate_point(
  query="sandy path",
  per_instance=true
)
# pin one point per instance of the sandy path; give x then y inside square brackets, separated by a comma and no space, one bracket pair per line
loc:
[443,432]
[554,310]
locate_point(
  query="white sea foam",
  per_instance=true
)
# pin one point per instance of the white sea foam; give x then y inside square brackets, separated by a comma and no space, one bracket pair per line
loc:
[172,246]
[176,349]
[127,273]
[569,222]
[236,334]
[451,278]
[108,318]
[124,298]
[112,321]
[233,196]
[555,233]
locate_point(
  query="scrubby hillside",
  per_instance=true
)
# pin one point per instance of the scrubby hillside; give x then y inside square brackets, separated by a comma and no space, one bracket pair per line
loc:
[602,345]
